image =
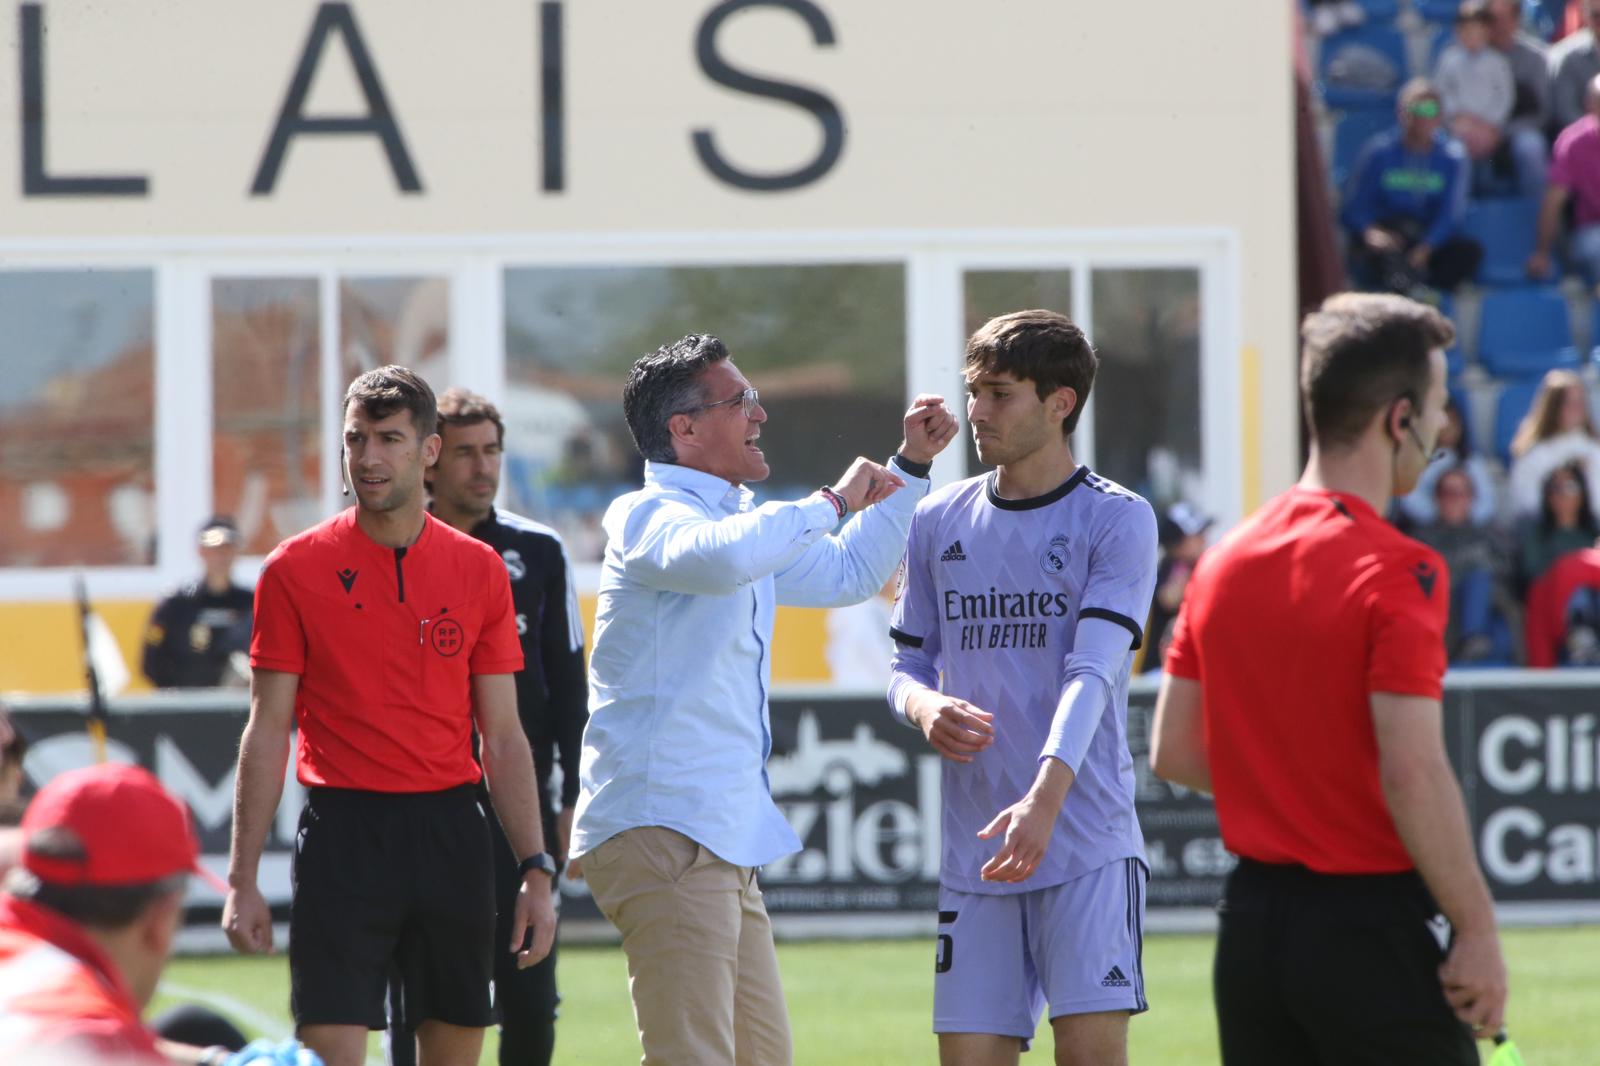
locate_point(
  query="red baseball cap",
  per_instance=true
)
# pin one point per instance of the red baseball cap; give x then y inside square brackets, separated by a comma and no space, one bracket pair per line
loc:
[133,831]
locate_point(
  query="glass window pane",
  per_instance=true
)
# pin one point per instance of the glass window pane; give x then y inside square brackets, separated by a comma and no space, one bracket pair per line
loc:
[267,443]
[77,418]
[987,293]
[1147,393]
[824,344]
[404,321]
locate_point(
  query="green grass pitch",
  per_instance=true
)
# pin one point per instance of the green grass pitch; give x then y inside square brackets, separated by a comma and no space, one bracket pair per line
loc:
[866,1003]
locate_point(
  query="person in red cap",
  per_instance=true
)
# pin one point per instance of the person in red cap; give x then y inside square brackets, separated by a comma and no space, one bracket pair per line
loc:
[88,917]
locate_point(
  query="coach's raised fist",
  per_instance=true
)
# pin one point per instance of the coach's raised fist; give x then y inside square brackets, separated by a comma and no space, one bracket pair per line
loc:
[866,482]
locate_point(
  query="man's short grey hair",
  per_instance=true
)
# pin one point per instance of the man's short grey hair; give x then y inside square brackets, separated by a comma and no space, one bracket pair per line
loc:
[665,383]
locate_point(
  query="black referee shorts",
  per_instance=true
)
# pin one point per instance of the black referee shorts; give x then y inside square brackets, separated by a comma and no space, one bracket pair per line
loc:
[383,880]
[1339,970]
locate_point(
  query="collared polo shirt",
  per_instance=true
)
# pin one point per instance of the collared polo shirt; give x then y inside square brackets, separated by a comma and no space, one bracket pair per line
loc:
[385,641]
[1290,624]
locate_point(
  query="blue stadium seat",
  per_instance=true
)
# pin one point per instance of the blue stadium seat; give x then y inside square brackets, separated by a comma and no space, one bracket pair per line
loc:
[1515,399]
[1380,10]
[1507,230]
[1437,10]
[1370,40]
[1543,17]
[1524,332]
[1354,130]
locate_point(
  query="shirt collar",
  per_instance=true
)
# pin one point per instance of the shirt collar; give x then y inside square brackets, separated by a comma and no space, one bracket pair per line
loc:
[713,490]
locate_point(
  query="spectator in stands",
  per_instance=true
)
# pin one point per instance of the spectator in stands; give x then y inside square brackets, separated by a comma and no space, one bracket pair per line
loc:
[1574,62]
[1454,452]
[1566,523]
[1530,110]
[1563,621]
[1331,16]
[1574,175]
[1557,430]
[1477,89]
[1182,531]
[1475,561]
[1407,194]
[197,636]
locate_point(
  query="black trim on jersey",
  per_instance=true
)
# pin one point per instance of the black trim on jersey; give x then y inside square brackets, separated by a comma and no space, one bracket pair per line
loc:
[1120,619]
[400,572]
[991,491]
[902,637]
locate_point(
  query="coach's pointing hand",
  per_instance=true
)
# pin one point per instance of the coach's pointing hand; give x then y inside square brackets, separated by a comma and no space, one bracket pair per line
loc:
[536,915]
[247,919]
[954,728]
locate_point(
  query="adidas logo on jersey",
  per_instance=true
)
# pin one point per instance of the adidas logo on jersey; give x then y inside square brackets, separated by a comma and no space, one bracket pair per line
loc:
[1115,979]
[953,554]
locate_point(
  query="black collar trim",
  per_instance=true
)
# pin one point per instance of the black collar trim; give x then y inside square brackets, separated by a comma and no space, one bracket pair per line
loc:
[990,490]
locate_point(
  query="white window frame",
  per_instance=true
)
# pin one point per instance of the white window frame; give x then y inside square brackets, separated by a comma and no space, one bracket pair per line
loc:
[934,262]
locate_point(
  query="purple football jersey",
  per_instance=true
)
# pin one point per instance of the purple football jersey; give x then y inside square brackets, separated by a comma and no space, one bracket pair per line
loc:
[993,591]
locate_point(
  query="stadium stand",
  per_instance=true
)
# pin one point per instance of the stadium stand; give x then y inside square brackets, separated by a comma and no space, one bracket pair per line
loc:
[1506,229]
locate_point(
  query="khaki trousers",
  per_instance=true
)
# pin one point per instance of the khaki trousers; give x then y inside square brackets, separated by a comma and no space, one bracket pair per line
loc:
[702,969]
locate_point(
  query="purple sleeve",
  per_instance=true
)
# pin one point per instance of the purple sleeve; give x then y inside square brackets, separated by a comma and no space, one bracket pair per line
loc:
[915,623]
[1122,571]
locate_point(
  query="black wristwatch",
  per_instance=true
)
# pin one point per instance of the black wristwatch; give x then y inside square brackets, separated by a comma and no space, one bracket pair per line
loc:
[544,862]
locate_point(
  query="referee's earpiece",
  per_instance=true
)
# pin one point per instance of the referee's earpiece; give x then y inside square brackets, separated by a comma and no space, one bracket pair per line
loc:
[344,476]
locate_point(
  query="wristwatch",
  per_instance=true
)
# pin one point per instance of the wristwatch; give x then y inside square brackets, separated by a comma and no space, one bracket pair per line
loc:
[544,862]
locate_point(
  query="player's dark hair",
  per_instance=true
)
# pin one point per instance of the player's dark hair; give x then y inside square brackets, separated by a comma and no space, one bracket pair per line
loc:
[1043,347]
[382,392]
[1360,352]
[665,383]
[108,907]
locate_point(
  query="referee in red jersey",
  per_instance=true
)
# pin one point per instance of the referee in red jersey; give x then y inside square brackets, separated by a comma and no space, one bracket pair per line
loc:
[1303,690]
[384,634]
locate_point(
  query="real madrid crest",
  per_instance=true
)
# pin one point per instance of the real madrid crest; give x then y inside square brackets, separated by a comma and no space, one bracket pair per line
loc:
[1054,558]
[514,564]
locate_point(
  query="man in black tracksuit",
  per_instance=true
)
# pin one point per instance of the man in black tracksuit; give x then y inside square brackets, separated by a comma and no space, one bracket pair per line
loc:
[552,699]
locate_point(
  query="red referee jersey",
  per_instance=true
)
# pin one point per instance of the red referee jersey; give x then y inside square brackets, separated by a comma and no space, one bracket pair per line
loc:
[59,991]
[1289,624]
[385,641]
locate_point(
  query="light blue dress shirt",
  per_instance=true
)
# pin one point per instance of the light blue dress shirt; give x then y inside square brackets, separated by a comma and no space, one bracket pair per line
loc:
[678,732]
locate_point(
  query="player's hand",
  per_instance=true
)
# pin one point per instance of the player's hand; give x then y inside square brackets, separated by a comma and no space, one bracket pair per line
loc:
[564,833]
[954,728]
[929,426]
[247,920]
[533,923]
[1474,980]
[1027,825]
[865,483]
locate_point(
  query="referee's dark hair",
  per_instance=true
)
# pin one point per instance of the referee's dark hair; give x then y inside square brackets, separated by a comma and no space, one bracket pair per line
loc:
[382,392]
[665,383]
[108,907]
[1043,347]
[1360,353]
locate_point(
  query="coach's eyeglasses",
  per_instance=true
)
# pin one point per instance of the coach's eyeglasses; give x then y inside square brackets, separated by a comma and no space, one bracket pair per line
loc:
[749,398]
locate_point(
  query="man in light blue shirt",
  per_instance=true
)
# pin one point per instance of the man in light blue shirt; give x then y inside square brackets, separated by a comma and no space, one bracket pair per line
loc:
[675,811]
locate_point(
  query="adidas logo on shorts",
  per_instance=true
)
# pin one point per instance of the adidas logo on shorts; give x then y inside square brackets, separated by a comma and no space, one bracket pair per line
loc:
[953,554]
[1115,979]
